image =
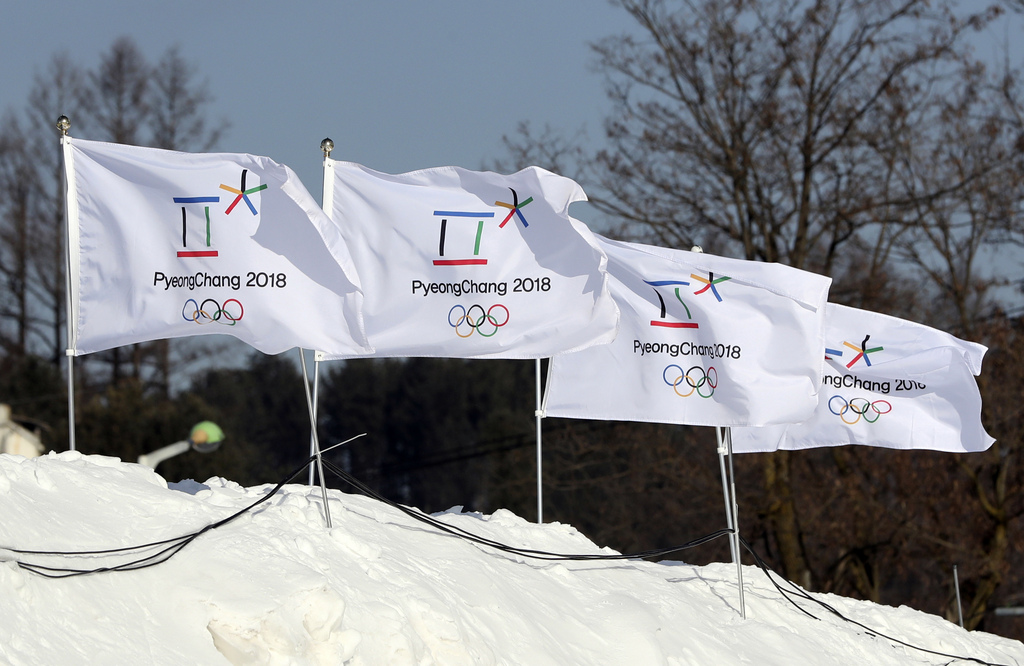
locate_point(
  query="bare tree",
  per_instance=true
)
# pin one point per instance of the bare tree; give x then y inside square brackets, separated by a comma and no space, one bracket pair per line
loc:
[760,123]
[178,105]
[16,186]
[962,173]
[117,97]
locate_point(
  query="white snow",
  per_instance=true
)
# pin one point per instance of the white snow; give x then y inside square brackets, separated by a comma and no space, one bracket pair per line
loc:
[276,586]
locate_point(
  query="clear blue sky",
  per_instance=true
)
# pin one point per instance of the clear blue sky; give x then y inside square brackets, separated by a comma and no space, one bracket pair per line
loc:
[398,85]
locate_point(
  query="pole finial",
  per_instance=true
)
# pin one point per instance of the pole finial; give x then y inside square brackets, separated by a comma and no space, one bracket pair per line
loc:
[63,124]
[327,146]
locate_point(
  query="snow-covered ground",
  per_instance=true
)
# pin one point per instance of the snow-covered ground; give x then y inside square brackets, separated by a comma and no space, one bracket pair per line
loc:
[276,586]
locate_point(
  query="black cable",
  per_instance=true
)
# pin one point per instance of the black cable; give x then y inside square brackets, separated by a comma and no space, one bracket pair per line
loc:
[524,552]
[178,543]
[831,609]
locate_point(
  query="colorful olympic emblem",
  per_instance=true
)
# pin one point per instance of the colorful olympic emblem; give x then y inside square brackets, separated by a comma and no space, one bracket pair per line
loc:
[709,282]
[859,407]
[476,319]
[211,311]
[696,378]
[515,207]
[862,352]
[242,194]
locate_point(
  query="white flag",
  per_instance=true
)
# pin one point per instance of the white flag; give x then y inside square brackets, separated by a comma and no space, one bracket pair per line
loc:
[703,340]
[888,382]
[167,244]
[467,264]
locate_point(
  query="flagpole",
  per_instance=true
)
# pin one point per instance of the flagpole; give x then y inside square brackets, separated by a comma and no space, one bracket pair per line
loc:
[316,403]
[314,436]
[959,606]
[64,124]
[326,192]
[539,414]
[735,524]
[725,489]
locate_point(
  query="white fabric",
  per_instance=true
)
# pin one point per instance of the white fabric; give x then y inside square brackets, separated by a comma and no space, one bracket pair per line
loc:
[450,268]
[913,389]
[172,244]
[703,340]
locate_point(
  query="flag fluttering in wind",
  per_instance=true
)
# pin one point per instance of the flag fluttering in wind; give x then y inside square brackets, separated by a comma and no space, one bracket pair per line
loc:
[467,264]
[703,340]
[890,383]
[165,244]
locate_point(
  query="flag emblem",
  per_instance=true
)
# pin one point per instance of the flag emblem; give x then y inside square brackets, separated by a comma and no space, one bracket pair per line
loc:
[862,352]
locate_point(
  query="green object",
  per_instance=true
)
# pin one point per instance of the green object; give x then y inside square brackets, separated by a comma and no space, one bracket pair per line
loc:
[206,436]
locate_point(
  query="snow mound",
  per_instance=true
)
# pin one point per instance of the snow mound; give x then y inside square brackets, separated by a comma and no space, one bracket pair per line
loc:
[276,587]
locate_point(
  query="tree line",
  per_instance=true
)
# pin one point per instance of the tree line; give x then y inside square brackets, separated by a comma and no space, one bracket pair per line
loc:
[862,139]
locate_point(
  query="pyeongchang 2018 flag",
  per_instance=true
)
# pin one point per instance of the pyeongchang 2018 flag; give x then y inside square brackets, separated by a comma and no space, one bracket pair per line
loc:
[888,382]
[703,340]
[166,244]
[467,264]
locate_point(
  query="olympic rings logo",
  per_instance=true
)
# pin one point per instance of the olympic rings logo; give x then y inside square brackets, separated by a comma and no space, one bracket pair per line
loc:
[475,319]
[212,311]
[860,408]
[700,381]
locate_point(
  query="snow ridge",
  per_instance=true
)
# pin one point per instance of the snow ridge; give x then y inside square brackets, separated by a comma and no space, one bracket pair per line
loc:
[276,587]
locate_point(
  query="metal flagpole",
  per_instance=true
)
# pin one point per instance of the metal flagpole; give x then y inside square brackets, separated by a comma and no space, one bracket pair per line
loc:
[326,146]
[735,524]
[725,489]
[69,354]
[539,414]
[959,606]
[316,403]
[314,437]
[64,124]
